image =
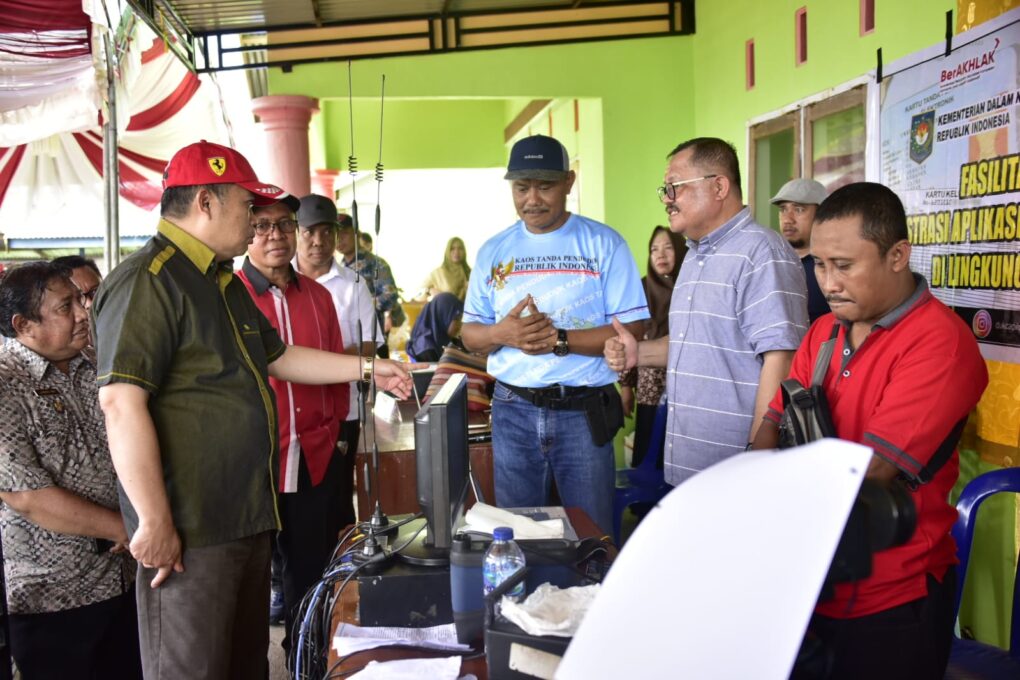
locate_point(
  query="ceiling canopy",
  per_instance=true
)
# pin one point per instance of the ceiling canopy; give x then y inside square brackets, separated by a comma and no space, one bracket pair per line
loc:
[287,32]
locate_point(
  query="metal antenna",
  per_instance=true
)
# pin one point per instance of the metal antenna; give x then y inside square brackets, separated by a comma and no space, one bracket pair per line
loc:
[379,164]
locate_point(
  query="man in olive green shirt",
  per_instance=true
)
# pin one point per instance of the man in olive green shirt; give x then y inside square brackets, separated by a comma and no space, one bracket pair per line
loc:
[184,358]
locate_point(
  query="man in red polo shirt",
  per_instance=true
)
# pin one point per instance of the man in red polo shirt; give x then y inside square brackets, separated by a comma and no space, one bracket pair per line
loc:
[905,373]
[302,312]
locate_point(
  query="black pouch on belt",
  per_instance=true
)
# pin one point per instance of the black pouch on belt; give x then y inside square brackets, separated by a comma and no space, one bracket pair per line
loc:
[604,412]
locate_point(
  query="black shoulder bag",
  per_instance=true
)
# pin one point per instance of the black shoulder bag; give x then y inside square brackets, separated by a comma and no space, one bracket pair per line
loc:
[806,416]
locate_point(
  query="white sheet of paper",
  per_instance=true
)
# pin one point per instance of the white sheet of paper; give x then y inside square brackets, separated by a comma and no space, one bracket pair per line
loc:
[411,669]
[720,580]
[350,638]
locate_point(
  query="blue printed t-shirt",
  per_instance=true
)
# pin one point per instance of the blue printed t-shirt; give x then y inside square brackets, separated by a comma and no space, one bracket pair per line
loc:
[582,275]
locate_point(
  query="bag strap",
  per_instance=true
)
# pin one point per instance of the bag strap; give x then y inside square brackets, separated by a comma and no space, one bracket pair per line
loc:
[824,357]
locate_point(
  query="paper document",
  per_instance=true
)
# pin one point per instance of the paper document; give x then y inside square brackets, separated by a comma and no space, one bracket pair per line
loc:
[350,638]
[411,669]
[725,572]
[527,523]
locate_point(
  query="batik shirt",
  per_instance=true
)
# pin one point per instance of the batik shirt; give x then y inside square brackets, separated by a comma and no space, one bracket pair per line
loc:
[52,435]
[379,279]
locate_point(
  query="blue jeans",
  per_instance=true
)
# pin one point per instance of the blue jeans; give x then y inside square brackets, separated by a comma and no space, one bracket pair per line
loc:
[531,446]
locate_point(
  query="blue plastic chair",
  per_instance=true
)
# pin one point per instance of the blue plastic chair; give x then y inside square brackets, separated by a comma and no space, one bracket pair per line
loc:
[971,659]
[645,483]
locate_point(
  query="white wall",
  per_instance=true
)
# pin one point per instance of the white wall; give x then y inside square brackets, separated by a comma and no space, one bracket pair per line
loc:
[423,209]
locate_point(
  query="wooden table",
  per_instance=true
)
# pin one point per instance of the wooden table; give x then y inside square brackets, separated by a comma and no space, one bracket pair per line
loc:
[397,485]
[346,611]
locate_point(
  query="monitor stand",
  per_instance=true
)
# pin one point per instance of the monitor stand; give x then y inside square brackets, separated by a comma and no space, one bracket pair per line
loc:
[418,552]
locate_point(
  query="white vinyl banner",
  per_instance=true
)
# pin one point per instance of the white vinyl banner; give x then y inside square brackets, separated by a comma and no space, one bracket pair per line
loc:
[950,150]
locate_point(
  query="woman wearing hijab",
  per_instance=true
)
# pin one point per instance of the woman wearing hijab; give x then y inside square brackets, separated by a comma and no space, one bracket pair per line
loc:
[666,251]
[438,321]
[453,275]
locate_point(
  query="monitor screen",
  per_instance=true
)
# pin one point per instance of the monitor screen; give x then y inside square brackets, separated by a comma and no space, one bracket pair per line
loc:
[441,456]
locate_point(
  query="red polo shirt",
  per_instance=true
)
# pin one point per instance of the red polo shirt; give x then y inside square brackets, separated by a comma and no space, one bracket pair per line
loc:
[309,415]
[915,376]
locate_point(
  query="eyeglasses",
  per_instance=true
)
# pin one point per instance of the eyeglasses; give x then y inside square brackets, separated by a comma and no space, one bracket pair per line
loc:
[284,226]
[668,190]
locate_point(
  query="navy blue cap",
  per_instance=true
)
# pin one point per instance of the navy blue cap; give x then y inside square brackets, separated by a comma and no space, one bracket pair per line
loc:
[538,157]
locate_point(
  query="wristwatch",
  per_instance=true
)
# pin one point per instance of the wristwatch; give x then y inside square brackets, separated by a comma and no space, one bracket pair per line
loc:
[561,349]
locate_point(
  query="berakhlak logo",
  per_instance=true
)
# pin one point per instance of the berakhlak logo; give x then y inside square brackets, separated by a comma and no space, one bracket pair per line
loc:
[982,323]
[499,273]
[218,164]
[922,136]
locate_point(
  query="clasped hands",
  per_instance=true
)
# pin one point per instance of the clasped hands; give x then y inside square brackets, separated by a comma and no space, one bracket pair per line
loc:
[526,328]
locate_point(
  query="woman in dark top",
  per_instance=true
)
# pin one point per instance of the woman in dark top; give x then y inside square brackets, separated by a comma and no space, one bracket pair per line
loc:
[438,321]
[666,251]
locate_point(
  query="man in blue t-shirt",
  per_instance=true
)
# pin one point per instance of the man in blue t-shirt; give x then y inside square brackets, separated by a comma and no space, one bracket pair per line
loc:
[541,301]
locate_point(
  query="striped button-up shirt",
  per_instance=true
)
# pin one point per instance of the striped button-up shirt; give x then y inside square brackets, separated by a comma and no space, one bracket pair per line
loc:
[740,293]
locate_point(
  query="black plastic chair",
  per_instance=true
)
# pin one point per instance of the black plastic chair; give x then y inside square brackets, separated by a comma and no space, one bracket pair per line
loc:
[970,659]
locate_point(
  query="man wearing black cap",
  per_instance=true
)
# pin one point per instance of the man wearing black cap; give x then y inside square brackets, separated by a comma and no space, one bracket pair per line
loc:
[317,235]
[540,302]
[184,359]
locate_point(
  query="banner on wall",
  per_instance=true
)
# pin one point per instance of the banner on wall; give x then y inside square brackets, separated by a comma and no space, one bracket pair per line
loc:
[950,148]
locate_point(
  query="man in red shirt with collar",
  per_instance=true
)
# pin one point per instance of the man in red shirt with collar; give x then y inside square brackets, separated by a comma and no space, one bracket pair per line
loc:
[302,312]
[905,373]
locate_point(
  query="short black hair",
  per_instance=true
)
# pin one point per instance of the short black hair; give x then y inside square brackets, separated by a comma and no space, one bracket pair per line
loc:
[883,219]
[76,262]
[365,236]
[713,155]
[22,289]
[176,201]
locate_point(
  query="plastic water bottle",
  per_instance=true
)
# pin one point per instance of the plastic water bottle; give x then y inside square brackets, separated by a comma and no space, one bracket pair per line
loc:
[502,560]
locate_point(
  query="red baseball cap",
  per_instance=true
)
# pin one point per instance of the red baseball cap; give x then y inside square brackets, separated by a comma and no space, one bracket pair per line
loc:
[208,163]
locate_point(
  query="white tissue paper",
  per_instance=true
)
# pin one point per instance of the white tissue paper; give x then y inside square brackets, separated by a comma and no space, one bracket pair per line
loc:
[550,610]
[484,518]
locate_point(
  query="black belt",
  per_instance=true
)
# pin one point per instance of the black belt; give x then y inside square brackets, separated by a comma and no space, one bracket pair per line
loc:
[554,397]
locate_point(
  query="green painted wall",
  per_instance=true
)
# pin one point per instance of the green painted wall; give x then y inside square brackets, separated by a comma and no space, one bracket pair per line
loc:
[418,133]
[837,53]
[645,87]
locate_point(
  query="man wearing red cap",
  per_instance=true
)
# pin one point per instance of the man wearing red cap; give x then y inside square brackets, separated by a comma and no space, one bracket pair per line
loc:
[184,359]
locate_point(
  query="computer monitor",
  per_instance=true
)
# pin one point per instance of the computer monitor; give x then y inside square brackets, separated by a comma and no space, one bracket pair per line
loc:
[443,470]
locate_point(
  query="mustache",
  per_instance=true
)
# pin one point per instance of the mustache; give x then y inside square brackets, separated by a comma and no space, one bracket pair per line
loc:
[836,298]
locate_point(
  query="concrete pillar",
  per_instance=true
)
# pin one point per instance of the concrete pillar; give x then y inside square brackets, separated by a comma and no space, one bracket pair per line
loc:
[285,118]
[324,182]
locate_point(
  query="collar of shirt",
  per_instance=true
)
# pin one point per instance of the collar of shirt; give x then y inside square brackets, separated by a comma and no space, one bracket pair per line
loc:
[38,364]
[920,295]
[197,252]
[259,282]
[713,240]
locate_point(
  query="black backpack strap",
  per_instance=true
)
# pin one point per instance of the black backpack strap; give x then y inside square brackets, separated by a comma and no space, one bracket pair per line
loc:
[825,356]
[943,453]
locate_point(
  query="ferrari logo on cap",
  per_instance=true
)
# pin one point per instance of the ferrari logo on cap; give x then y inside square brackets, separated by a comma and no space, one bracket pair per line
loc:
[218,164]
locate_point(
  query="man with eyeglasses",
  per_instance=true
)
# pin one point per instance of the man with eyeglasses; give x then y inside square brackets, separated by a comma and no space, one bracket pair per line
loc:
[737,314]
[539,303]
[184,361]
[302,313]
[797,201]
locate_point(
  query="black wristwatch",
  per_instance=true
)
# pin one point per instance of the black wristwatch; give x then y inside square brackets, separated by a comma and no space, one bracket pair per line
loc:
[561,349]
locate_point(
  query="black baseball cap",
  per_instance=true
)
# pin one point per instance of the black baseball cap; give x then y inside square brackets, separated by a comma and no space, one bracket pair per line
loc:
[316,209]
[538,157]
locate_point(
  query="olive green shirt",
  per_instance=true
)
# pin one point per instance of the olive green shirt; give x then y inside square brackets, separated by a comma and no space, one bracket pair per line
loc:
[173,321]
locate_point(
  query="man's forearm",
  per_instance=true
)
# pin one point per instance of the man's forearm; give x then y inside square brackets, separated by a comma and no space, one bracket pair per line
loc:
[309,366]
[478,337]
[774,369]
[653,353]
[66,512]
[591,341]
[134,448]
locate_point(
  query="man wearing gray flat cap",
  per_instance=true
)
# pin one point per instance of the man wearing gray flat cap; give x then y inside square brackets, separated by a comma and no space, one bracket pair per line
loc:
[797,201]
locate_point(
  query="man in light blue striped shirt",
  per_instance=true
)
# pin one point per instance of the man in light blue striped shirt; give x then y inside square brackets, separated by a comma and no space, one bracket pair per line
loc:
[739,311]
